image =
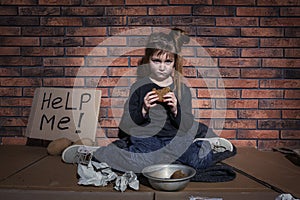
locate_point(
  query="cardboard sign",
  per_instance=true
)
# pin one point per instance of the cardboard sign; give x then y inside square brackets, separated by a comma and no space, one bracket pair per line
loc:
[64,113]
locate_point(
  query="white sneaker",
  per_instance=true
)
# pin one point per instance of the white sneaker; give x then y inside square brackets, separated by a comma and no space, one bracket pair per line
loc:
[217,144]
[76,154]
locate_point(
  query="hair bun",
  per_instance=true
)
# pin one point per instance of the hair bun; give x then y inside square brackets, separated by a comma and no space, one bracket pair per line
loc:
[179,38]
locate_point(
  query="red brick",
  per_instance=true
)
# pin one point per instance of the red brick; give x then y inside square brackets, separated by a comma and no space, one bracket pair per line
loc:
[86,51]
[196,82]
[226,133]
[126,11]
[63,61]
[279,42]
[189,72]
[61,21]
[19,21]
[18,2]
[129,31]
[193,20]
[198,103]
[270,144]
[82,11]
[86,31]
[235,124]
[201,62]
[258,114]
[124,71]
[108,82]
[262,134]
[42,51]
[105,21]
[10,31]
[244,143]
[217,93]
[291,114]
[239,83]
[10,111]
[260,73]
[289,11]
[279,104]
[42,31]
[292,32]
[99,41]
[61,2]
[8,10]
[20,41]
[15,101]
[293,53]
[218,31]
[7,71]
[235,2]
[262,32]
[13,121]
[106,61]
[170,10]
[24,61]
[279,22]
[203,113]
[42,71]
[237,42]
[220,72]
[262,94]
[113,102]
[289,63]
[134,61]
[256,11]
[277,3]
[10,92]
[31,11]
[279,83]
[103,2]
[85,71]
[293,94]
[205,41]
[236,104]
[14,140]
[10,51]
[215,11]
[67,82]
[149,2]
[193,2]
[149,20]
[239,62]
[62,41]
[217,52]
[261,52]
[20,82]
[237,21]
[290,134]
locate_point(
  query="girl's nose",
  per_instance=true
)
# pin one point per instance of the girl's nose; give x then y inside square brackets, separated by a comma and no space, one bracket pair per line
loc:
[162,66]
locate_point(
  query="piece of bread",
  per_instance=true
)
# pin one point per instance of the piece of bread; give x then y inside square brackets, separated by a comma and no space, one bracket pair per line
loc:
[178,174]
[161,93]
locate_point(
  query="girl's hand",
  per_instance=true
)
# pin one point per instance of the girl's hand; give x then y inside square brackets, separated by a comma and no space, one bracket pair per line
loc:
[171,100]
[149,101]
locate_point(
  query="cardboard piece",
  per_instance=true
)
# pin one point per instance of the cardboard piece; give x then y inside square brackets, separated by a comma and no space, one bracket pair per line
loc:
[64,113]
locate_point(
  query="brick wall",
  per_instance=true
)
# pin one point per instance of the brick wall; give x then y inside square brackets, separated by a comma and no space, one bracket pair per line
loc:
[253,45]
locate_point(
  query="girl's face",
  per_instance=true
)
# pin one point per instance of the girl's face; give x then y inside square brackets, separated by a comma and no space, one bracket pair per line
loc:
[161,66]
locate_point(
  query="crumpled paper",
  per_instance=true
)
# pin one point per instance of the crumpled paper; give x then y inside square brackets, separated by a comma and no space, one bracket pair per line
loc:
[285,197]
[127,179]
[101,174]
[95,173]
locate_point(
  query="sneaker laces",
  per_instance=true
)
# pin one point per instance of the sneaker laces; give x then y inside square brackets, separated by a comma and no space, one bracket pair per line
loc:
[83,156]
[217,147]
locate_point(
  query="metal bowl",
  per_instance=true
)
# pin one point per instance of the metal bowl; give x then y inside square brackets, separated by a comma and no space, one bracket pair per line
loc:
[159,176]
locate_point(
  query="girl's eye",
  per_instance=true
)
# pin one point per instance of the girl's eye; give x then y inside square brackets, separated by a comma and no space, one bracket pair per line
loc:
[156,61]
[168,62]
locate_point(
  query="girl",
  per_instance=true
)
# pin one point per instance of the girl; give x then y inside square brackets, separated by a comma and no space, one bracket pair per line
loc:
[153,129]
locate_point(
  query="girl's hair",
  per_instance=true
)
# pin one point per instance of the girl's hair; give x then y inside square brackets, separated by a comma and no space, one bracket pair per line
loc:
[161,43]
